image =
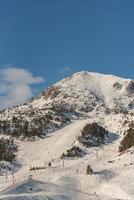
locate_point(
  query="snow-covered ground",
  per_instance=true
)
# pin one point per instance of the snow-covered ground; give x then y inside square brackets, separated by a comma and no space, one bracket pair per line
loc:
[113,174]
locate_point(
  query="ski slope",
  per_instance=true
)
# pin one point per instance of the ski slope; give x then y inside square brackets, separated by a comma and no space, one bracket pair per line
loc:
[109,180]
[113,174]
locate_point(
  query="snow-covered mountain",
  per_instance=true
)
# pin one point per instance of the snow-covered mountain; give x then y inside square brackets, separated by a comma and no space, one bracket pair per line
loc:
[86,91]
[61,114]
[78,96]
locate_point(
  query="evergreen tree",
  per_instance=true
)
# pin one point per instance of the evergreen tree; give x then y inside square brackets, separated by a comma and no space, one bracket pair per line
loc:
[89,170]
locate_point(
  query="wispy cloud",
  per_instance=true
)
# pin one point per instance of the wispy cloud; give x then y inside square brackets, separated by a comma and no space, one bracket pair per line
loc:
[15,86]
[65,70]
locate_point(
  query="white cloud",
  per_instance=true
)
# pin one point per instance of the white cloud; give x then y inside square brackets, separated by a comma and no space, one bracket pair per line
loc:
[15,86]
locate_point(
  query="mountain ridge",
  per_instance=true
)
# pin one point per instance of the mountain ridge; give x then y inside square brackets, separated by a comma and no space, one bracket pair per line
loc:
[98,85]
[79,96]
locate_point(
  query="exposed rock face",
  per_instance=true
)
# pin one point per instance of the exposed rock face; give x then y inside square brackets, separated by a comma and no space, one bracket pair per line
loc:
[51,92]
[131,105]
[117,86]
[130,87]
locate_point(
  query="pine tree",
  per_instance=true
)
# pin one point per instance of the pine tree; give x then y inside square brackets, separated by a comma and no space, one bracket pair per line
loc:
[89,170]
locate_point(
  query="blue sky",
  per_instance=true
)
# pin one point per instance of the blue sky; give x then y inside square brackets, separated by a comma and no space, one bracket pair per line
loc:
[54,38]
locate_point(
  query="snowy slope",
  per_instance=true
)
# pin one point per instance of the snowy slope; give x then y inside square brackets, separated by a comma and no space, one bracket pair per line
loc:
[60,182]
[89,97]
[109,90]
[75,97]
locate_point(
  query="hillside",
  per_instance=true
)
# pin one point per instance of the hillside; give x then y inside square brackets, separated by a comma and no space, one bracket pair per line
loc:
[79,96]
[54,121]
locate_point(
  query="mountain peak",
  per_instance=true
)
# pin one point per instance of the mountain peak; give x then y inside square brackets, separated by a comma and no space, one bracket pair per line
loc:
[89,90]
[84,74]
[82,95]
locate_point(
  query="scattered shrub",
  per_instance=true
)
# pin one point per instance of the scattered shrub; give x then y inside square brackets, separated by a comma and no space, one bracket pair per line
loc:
[7,150]
[128,140]
[37,168]
[93,135]
[75,151]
